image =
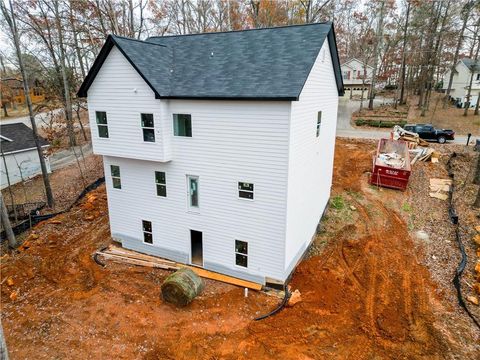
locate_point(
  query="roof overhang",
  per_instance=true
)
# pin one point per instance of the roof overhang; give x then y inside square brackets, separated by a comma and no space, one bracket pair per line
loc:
[22,150]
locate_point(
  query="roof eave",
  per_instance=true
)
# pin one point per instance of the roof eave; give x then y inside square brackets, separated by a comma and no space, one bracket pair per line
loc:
[245,98]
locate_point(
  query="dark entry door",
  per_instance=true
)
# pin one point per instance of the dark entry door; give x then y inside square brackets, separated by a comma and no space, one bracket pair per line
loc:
[196,239]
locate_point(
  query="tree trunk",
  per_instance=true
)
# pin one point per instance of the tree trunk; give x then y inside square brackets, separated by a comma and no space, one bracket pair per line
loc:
[12,201]
[378,47]
[401,101]
[12,241]
[66,84]
[10,18]
[3,344]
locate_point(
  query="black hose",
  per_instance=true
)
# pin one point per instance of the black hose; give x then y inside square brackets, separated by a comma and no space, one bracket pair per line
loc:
[463,261]
[95,257]
[280,307]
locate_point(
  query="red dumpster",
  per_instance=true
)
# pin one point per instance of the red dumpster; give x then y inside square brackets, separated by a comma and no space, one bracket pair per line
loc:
[391,164]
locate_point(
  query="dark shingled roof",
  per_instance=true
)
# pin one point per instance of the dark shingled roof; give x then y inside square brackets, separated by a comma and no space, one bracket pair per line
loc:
[260,64]
[21,137]
[471,64]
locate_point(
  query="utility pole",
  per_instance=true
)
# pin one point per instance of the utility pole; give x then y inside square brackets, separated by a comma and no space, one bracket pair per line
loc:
[378,47]
[12,241]
[10,18]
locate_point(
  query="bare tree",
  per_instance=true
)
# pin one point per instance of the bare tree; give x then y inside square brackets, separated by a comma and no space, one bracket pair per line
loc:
[10,19]
[376,51]
[12,241]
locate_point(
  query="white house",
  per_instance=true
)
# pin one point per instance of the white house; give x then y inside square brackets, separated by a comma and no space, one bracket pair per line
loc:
[461,82]
[19,156]
[356,75]
[218,147]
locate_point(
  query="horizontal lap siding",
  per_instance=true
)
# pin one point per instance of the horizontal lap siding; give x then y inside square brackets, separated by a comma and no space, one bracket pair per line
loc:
[311,158]
[120,91]
[232,141]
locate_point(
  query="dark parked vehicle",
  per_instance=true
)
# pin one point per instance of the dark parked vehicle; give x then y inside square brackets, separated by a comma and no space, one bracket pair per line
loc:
[428,132]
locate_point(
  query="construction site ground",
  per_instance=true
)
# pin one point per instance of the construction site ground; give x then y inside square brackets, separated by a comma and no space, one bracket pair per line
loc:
[370,288]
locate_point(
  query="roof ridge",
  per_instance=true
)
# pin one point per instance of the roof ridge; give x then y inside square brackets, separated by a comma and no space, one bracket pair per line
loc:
[137,40]
[242,30]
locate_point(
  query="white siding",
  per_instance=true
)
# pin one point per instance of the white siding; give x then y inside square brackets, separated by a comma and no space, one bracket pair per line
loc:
[119,90]
[310,158]
[20,165]
[232,141]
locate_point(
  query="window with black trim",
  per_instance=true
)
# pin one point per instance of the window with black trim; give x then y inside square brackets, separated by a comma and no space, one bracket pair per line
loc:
[148,127]
[161,183]
[102,124]
[245,190]
[182,125]
[147,232]
[241,253]
[115,172]
[319,122]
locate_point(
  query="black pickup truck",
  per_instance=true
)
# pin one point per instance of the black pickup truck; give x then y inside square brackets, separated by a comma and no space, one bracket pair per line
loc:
[428,132]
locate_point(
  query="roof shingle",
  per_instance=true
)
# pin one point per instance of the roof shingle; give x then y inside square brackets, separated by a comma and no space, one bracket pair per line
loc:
[21,137]
[271,63]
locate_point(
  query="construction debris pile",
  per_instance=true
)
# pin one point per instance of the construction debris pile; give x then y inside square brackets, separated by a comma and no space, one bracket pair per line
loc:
[391,159]
[439,188]
[424,154]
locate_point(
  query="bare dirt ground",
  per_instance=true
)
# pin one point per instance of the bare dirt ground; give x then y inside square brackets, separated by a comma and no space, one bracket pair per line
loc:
[367,290]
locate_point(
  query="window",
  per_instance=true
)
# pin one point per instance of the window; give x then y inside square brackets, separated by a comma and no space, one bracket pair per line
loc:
[346,75]
[245,190]
[241,253]
[102,124]
[161,182]
[192,191]
[148,127]
[115,171]
[147,232]
[478,76]
[182,125]
[319,122]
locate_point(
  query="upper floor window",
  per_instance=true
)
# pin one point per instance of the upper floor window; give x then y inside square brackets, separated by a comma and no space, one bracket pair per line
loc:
[478,76]
[147,232]
[161,183]
[115,172]
[319,122]
[245,190]
[102,123]
[148,128]
[182,125]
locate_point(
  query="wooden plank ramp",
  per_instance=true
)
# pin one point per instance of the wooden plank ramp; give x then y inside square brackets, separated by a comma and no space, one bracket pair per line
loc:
[125,256]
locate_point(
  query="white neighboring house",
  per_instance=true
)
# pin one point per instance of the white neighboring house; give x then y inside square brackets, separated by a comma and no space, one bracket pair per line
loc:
[19,155]
[356,75]
[461,82]
[218,147]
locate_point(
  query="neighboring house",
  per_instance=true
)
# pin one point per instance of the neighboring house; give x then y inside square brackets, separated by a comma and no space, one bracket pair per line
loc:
[218,147]
[19,155]
[13,93]
[356,75]
[461,82]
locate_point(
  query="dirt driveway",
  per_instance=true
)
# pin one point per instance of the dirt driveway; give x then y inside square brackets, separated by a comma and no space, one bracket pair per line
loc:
[365,293]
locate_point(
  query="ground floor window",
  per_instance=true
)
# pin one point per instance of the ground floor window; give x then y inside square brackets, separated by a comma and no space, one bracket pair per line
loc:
[241,253]
[147,232]
[115,171]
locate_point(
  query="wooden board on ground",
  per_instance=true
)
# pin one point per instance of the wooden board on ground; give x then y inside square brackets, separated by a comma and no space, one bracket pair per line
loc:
[438,195]
[125,256]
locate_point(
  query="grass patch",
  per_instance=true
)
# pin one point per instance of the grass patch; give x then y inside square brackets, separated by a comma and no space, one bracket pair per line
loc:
[406,207]
[355,194]
[379,123]
[337,202]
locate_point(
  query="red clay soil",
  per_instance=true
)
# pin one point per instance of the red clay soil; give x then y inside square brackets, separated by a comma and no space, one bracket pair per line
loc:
[365,297]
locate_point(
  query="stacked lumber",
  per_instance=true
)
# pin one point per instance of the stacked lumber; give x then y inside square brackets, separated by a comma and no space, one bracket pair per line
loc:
[423,154]
[439,188]
[121,255]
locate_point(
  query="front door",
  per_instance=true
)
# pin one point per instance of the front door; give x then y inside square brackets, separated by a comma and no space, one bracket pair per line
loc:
[196,240]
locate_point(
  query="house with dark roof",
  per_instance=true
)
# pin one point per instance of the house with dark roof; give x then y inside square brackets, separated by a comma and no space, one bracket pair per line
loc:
[218,147]
[461,82]
[19,154]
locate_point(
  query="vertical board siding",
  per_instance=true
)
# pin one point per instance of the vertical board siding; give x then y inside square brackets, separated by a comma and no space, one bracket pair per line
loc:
[120,91]
[310,158]
[21,165]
